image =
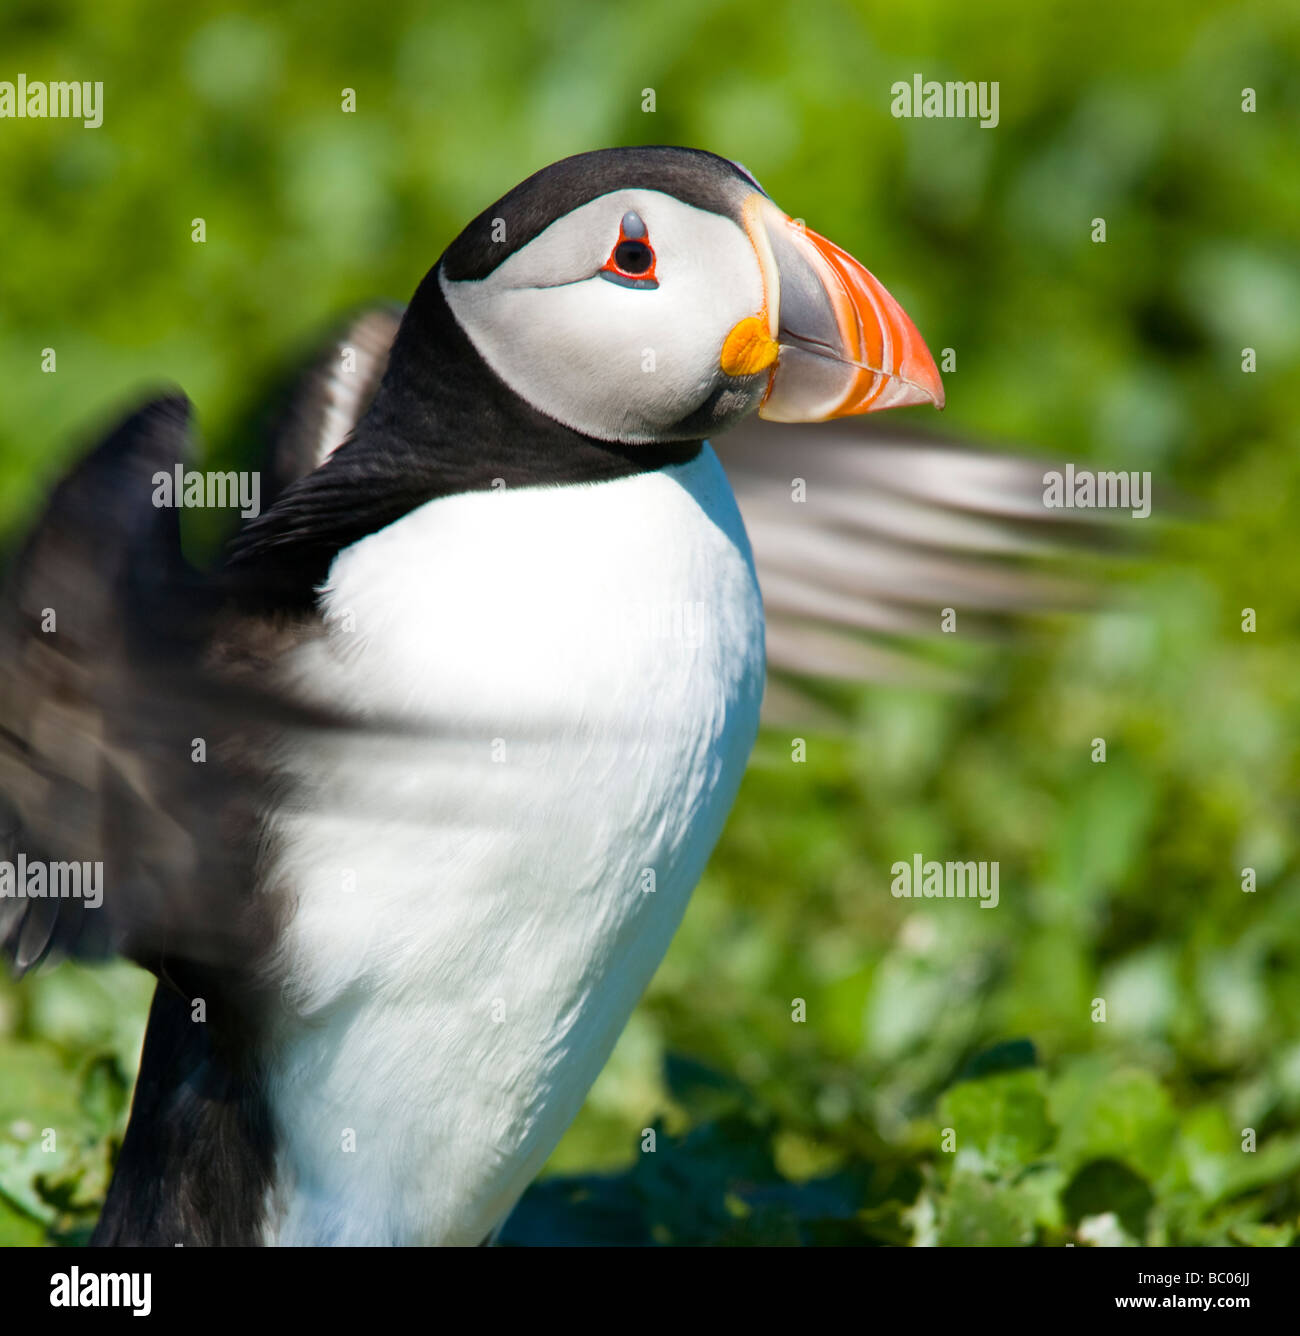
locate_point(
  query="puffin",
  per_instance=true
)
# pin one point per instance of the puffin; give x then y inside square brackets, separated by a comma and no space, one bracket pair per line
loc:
[403,799]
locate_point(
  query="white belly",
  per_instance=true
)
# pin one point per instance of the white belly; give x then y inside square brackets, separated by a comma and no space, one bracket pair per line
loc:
[484,893]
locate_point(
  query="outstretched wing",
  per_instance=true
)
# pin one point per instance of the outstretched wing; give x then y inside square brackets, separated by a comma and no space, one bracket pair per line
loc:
[863,537]
[316,408]
[115,778]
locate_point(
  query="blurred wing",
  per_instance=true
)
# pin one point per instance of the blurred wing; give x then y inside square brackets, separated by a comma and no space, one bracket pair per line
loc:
[318,407]
[105,714]
[862,538]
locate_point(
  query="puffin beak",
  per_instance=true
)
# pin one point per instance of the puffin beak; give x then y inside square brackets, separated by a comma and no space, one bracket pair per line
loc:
[834,340]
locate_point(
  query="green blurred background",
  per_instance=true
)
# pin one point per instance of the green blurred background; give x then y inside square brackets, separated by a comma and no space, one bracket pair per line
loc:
[1119,881]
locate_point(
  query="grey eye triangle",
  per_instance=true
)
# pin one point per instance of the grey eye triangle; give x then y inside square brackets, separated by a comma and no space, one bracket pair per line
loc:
[633,228]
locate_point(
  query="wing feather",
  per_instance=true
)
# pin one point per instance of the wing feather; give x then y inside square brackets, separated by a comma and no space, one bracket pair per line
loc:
[104,702]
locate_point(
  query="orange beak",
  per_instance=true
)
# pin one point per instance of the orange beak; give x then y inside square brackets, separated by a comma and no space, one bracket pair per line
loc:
[836,342]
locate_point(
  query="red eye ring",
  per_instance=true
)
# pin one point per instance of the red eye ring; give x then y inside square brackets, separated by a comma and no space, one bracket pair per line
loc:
[632,261]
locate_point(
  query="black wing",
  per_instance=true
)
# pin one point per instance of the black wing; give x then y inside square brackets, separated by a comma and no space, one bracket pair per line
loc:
[116,741]
[316,407]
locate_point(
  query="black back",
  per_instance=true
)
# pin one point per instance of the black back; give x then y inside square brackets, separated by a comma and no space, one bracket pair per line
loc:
[441,423]
[197,1159]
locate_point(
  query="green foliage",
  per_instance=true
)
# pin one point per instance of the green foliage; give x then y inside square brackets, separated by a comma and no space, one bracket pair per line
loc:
[1094,1154]
[1119,881]
[68,1062]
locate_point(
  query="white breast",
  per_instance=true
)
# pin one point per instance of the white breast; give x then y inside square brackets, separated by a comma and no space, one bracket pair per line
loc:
[577,673]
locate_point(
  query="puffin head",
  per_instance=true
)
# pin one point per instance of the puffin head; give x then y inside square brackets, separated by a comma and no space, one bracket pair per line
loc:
[653,295]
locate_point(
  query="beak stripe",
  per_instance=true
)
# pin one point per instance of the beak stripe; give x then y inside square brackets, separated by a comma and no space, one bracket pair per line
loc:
[850,350]
[769,272]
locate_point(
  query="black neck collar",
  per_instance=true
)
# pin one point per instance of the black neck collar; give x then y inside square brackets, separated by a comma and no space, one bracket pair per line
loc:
[441,423]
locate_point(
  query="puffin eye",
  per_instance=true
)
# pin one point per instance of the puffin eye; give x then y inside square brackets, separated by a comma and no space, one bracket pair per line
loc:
[631,263]
[633,257]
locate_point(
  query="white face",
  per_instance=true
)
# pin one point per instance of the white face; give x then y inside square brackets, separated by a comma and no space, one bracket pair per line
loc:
[615,361]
